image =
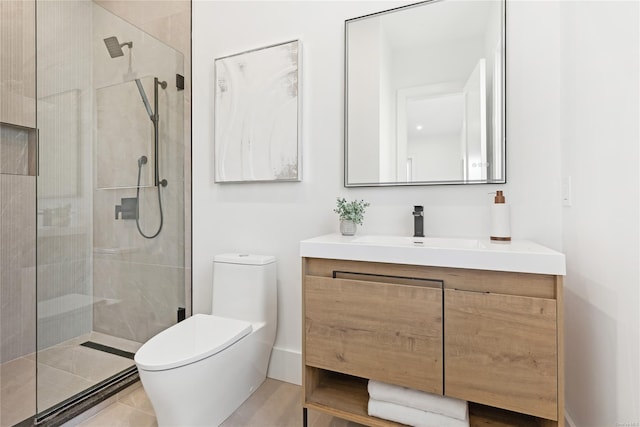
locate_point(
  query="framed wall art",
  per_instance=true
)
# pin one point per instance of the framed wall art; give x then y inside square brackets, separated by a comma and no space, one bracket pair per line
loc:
[257,115]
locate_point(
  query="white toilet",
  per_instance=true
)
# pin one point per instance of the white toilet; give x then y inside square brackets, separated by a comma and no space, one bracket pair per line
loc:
[199,371]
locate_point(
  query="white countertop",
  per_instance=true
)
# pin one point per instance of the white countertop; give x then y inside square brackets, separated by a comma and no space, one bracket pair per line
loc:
[521,256]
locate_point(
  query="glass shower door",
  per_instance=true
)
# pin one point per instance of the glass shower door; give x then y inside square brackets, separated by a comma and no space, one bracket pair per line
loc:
[110,243]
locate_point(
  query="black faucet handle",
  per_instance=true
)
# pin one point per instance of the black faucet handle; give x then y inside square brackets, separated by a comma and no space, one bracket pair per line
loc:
[418,210]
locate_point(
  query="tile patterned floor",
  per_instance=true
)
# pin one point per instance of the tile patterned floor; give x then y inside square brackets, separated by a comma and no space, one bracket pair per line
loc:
[63,370]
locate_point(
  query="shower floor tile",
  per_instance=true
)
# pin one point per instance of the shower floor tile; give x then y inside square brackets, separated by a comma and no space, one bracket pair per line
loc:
[17,391]
[63,371]
[84,362]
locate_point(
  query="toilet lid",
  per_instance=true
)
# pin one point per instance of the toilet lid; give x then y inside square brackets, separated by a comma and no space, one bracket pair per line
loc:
[193,339]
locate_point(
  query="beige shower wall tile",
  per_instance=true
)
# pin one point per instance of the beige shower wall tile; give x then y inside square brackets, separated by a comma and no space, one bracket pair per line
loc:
[18,218]
[55,329]
[62,132]
[64,278]
[17,69]
[140,300]
[120,240]
[64,301]
[173,29]
[124,133]
[149,15]
[63,248]
[14,150]
[17,275]
[169,21]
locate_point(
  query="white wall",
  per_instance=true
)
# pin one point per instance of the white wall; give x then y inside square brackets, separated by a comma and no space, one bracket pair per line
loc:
[273,218]
[600,130]
[572,107]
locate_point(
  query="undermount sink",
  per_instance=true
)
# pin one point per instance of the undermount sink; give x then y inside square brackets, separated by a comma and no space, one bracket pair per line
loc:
[479,254]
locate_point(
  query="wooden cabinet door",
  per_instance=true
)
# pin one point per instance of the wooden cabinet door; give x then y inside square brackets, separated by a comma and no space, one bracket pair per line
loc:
[382,331]
[501,350]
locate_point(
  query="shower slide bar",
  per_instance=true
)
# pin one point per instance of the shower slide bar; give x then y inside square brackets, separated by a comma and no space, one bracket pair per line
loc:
[114,47]
[155,117]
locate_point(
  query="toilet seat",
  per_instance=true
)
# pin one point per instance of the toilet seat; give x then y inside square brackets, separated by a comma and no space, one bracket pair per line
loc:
[189,341]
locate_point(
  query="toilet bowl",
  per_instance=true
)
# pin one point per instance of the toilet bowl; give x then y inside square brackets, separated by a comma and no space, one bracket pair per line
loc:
[199,371]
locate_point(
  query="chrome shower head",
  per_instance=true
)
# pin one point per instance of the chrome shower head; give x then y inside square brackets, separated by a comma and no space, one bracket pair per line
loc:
[115,47]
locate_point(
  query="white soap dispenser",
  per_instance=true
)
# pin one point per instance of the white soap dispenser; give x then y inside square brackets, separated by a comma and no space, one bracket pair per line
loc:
[500,219]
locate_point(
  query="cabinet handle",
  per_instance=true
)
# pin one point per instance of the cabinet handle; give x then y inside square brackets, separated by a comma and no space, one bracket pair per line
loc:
[472,291]
[380,278]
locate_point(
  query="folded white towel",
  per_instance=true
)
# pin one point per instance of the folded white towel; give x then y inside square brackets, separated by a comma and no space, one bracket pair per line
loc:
[403,396]
[412,416]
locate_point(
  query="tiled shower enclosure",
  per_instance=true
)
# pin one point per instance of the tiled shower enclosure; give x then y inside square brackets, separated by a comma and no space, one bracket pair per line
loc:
[81,287]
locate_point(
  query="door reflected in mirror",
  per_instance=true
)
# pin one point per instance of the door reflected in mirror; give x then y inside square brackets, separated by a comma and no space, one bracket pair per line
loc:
[425,95]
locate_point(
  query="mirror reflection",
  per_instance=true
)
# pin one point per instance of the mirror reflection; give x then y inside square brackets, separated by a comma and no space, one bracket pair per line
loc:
[425,95]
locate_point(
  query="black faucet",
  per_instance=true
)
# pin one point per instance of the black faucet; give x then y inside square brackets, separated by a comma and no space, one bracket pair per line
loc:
[418,221]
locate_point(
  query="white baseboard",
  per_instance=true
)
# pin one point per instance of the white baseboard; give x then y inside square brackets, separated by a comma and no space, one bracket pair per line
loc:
[285,365]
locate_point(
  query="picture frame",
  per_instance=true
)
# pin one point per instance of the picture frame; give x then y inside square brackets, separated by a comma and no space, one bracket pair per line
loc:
[257,115]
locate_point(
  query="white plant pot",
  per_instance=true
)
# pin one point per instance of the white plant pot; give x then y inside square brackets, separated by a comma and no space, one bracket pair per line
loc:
[347,227]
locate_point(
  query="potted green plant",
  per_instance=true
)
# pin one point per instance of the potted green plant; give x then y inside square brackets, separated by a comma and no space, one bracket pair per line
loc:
[351,214]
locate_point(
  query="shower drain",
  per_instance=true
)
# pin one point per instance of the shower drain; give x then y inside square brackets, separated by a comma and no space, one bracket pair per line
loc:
[107,349]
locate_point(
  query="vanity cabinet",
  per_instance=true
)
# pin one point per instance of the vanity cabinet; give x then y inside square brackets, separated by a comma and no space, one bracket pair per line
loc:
[502,351]
[489,337]
[363,328]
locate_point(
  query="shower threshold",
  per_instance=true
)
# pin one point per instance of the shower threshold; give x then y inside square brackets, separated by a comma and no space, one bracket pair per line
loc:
[85,400]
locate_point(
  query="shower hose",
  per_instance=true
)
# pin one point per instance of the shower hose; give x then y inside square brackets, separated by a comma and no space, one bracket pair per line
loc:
[141,162]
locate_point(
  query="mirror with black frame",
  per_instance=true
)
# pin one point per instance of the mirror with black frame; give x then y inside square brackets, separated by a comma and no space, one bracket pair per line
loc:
[425,95]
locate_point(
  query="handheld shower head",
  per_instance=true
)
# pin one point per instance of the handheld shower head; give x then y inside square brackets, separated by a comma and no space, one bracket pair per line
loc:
[143,95]
[145,101]
[115,47]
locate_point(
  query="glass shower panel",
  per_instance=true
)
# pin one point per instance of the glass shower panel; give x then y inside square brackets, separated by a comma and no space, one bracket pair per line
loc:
[64,228]
[118,152]
[103,288]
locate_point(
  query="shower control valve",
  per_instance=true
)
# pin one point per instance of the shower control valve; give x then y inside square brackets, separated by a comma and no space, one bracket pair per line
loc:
[127,209]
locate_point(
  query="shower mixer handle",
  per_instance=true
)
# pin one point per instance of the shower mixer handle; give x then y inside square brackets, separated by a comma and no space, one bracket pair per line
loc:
[127,209]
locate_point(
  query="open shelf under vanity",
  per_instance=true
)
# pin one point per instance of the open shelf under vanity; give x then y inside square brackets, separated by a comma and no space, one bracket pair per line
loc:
[346,397]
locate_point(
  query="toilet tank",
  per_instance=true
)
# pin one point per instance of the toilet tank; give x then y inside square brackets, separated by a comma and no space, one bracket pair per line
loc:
[244,287]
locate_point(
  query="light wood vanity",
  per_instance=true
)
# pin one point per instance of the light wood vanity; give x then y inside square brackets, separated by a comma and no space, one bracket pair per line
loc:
[493,338]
